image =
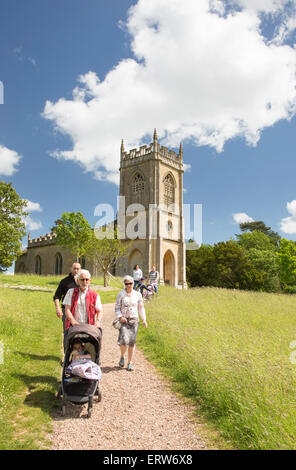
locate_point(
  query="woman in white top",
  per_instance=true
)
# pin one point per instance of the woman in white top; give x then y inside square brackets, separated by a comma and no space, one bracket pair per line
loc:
[137,275]
[129,305]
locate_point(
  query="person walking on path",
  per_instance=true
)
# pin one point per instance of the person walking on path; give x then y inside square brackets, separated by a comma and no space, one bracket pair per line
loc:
[137,275]
[154,278]
[63,287]
[82,304]
[129,305]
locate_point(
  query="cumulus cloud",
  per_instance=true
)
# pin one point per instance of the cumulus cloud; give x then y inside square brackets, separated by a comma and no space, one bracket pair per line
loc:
[30,223]
[9,160]
[241,218]
[201,71]
[33,206]
[288,224]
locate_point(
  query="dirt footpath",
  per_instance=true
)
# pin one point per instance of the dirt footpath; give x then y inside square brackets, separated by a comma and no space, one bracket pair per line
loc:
[137,411]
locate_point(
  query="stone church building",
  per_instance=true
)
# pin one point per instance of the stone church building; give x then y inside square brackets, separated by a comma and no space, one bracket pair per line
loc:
[150,220]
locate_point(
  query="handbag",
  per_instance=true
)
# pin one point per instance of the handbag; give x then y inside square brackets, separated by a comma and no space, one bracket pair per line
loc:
[116,324]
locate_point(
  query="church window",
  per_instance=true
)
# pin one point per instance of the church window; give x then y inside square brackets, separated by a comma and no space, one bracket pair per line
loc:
[38,268]
[138,184]
[169,190]
[58,264]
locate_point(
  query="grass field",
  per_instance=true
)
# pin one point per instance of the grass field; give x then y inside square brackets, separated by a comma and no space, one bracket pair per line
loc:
[31,335]
[230,352]
[49,282]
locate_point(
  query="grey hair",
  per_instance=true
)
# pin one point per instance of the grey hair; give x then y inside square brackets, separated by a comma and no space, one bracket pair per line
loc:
[82,271]
[128,278]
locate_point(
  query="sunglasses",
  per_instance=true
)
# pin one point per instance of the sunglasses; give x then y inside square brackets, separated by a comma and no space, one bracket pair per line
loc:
[128,283]
[84,279]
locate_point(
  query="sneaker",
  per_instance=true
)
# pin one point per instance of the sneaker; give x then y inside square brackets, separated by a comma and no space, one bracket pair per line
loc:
[130,366]
[121,362]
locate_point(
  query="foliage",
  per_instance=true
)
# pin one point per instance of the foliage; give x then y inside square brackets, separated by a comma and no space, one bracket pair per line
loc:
[287,259]
[223,265]
[73,232]
[260,226]
[106,252]
[12,227]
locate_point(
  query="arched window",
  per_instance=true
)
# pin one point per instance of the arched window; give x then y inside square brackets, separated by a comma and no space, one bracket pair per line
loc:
[58,264]
[138,184]
[169,190]
[38,267]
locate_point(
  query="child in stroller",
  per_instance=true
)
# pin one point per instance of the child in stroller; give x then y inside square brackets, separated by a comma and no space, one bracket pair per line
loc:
[77,389]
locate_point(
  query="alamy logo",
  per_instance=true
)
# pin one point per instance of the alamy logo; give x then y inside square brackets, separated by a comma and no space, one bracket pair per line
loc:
[164,221]
[1,93]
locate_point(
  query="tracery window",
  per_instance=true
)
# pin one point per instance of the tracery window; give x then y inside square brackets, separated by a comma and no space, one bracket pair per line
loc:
[169,190]
[138,184]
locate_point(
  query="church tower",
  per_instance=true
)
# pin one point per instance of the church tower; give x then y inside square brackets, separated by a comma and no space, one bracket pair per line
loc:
[150,217]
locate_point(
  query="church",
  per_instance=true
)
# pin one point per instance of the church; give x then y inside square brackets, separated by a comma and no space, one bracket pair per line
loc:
[150,219]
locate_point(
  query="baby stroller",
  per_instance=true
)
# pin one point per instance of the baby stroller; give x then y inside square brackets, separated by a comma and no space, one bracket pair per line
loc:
[148,294]
[75,389]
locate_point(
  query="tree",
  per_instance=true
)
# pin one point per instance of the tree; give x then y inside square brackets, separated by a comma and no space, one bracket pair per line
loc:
[106,252]
[73,232]
[12,227]
[260,226]
[287,258]
[257,240]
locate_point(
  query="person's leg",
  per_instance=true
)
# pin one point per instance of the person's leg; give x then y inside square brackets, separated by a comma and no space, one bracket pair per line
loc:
[156,288]
[130,353]
[122,352]
[65,331]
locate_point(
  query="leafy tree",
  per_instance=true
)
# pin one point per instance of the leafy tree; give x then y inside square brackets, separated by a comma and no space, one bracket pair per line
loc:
[106,252]
[257,240]
[200,266]
[261,251]
[234,269]
[73,232]
[12,227]
[260,226]
[287,259]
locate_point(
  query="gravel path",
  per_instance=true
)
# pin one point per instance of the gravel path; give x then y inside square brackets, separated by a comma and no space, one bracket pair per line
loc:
[138,410]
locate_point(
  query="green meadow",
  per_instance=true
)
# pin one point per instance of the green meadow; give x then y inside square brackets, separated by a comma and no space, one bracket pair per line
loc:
[30,354]
[231,352]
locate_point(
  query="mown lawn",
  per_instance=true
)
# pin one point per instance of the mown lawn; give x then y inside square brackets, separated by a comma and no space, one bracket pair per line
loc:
[31,340]
[230,351]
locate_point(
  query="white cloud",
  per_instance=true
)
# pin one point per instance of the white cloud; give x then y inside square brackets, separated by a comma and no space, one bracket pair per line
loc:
[241,218]
[9,159]
[288,224]
[198,74]
[33,206]
[32,224]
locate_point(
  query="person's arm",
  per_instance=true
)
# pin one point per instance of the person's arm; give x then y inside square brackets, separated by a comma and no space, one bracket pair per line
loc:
[70,316]
[141,310]
[58,308]
[56,298]
[118,311]
[99,312]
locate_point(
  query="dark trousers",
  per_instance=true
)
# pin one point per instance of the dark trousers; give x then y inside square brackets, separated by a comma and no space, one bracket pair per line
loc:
[64,330]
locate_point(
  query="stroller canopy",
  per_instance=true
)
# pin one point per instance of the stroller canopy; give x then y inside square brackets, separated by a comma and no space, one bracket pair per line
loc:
[85,329]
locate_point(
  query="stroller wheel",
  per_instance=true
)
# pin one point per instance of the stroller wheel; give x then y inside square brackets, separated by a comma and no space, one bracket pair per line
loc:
[99,393]
[60,392]
[63,410]
[90,405]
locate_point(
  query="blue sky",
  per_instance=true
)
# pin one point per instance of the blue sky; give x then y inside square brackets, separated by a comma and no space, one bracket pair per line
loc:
[217,75]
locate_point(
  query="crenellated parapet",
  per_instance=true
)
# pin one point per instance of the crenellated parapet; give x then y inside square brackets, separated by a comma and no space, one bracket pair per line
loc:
[48,239]
[154,150]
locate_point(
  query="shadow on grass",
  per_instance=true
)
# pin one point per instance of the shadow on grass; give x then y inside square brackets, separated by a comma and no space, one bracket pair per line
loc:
[42,391]
[35,357]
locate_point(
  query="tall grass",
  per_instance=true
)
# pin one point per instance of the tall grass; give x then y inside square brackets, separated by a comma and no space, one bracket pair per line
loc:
[229,351]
